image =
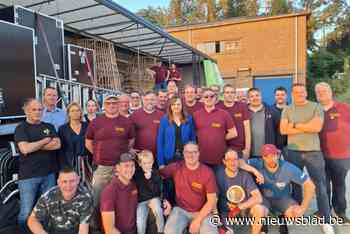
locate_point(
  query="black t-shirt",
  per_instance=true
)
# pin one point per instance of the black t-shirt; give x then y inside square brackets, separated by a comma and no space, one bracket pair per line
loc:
[178,141]
[41,162]
[148,188]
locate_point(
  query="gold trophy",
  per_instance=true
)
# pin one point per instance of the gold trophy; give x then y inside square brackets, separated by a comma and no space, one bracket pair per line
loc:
[235,195]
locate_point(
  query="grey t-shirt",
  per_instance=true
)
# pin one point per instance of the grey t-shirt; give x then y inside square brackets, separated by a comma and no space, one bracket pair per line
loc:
[303,114]
[258,130]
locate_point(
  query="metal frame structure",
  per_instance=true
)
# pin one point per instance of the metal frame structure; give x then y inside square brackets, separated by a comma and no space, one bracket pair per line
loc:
[106,20]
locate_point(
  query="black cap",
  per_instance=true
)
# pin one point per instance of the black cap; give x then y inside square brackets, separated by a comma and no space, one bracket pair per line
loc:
[126,157]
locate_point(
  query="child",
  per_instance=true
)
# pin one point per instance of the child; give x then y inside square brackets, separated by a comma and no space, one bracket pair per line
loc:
[149,186]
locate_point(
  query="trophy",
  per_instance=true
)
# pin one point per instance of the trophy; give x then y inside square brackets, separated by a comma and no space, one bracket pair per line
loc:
[235,195]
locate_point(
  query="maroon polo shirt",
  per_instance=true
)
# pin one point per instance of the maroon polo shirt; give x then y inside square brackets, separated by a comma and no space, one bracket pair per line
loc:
[122,199]
[239,113]
[211,129]
[174,75]
[191,109]
[161,73]
[146,129]
[191,186]
[335,132]
[110,138]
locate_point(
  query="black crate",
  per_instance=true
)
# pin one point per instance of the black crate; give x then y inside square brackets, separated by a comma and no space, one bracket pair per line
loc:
[44,26]
[17,69]
[80,66]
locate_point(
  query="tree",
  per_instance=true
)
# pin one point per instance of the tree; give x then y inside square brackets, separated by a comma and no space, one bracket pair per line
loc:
[158,16]
[176,12]
[212,13]
[279,7]
[252,7]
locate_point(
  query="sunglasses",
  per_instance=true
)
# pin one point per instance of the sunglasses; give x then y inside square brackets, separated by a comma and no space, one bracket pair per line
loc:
[209,96]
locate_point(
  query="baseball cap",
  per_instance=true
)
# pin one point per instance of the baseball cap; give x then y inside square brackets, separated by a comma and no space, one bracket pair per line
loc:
[126,157]
[110,97]
[269,149]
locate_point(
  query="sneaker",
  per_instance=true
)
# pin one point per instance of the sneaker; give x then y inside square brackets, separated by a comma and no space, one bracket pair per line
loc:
[343,216]
[327,229]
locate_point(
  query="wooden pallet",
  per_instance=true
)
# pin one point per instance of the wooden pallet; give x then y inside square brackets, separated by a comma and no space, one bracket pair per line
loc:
[106,63]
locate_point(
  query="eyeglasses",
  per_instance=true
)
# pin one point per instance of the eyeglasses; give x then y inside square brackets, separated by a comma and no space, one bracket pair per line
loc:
[209,96]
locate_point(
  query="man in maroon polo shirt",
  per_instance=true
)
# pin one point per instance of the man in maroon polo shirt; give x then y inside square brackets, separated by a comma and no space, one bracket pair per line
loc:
[191,104]
[119,199]
[160,74]
[214,127]
[241,117]
[107,137]
[162,100]
[195,187]
[146,122]
[335,146]
[124,105]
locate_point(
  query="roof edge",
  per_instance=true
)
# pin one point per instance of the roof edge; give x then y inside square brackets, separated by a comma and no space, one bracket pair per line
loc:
[235,20]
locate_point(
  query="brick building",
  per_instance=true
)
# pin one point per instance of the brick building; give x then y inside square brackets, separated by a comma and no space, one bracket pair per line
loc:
[263,52]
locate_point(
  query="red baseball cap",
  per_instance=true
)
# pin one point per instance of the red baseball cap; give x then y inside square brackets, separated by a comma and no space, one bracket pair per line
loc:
[268,149]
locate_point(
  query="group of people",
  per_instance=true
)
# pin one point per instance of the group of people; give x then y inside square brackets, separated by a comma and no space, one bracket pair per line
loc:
[162,75]
[173,160]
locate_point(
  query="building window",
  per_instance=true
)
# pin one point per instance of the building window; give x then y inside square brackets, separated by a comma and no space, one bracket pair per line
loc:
[217,47]
[207,47]
[232,46]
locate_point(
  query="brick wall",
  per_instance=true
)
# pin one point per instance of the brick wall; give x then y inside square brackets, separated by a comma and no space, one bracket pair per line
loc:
[260,47]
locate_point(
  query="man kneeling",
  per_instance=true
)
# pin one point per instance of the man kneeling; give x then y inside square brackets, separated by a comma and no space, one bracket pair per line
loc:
[64,209]
[237,193]
[195,188]
[278,176]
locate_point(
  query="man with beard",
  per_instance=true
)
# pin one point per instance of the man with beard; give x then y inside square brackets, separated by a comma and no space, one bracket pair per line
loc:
[146,122]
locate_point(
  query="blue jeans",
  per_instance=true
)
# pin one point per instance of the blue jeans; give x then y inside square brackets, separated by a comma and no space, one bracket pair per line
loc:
[336,170]
[142,211]
[29,191]
[315,165]
[179,219]
[161,86]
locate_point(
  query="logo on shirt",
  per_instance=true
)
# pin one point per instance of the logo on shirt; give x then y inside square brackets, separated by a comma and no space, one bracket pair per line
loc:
[216,125]
[334,115]
[46,131]
[196,185]
[281,185]
[238,115]
[156,121]
[119,129]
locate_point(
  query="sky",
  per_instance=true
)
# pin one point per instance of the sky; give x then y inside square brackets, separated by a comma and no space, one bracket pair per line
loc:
[135,5]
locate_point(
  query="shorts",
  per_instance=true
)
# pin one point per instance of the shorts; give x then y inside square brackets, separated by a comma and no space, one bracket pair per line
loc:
[278,205]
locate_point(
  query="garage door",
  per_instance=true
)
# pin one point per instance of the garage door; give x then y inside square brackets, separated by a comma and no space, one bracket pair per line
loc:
[267,85]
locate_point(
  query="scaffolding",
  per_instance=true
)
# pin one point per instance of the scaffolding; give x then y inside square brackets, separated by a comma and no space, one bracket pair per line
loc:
[107,73]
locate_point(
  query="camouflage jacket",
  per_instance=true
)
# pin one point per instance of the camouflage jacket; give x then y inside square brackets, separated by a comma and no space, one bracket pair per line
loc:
[63,215]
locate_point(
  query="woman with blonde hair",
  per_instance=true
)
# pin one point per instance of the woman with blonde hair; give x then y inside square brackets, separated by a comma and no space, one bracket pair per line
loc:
[72,135]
